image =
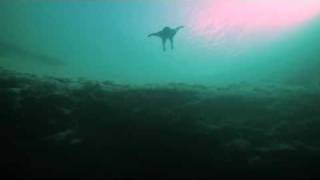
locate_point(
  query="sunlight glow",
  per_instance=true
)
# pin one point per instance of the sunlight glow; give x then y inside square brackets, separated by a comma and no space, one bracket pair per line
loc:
[253,15]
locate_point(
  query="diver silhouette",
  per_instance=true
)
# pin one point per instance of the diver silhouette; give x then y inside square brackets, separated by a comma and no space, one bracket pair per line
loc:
[166,33]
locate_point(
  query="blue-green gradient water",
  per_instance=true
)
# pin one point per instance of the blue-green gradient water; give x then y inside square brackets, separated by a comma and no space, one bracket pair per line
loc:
[107,40]
[239,94]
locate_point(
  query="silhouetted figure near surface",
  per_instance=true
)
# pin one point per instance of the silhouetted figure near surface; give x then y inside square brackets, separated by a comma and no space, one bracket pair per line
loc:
[166,33]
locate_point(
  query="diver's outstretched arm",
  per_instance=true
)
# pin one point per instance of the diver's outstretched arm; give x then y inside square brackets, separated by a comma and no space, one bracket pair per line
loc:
[153,34]
[178,28]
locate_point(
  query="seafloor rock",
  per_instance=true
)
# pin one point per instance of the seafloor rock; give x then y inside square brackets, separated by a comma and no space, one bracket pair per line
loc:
[241,145]
[82,128]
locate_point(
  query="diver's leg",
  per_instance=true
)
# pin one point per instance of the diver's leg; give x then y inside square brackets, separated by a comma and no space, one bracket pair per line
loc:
[164,44]
[171,43]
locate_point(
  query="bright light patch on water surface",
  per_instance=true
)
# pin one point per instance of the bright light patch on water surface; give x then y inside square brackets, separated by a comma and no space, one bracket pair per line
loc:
[253,15]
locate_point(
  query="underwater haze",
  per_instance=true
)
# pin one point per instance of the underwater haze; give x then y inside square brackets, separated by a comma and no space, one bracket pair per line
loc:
[88,89]
[222,42]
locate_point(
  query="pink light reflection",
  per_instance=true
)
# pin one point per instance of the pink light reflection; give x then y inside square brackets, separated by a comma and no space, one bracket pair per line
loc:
[253,15]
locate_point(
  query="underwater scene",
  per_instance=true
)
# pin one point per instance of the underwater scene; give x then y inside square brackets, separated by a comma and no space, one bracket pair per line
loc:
[160,89]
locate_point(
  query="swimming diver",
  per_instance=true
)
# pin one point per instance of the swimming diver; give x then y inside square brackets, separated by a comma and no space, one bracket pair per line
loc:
[166,33]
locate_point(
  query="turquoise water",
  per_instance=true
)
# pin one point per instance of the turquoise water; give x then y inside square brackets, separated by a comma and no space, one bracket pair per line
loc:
[84,92]
[107,40]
